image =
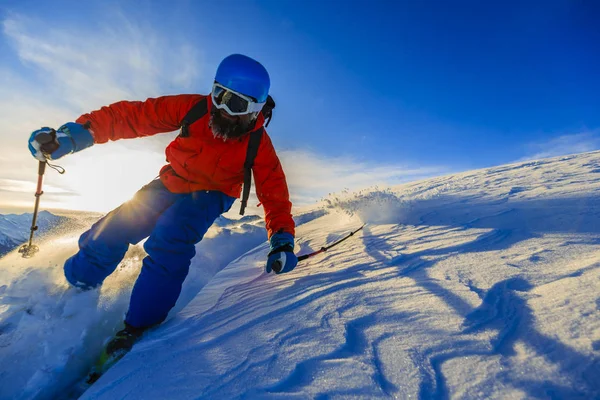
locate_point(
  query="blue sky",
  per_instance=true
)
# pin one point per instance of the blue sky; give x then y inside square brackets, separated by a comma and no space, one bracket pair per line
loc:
[369,91]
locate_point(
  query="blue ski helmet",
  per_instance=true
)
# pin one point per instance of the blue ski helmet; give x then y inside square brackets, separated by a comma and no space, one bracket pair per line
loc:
[244,75]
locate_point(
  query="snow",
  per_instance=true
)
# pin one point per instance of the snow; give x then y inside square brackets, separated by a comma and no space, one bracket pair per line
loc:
[484,284]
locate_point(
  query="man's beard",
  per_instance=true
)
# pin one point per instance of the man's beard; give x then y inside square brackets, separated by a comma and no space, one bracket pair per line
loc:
[229,128]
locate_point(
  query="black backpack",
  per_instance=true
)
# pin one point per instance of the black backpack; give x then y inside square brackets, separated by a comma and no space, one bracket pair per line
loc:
[200,109]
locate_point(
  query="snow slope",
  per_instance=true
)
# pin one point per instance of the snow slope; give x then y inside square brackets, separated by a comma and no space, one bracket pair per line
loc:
[51,334]
[482,285]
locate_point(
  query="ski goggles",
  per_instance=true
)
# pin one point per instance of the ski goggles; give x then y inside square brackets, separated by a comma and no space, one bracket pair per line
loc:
[233,102]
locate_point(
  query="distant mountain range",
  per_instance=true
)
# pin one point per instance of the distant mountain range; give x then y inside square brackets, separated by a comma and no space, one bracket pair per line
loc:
[15,229]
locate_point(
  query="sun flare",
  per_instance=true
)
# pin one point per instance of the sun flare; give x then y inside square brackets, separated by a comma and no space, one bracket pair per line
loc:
[103,177]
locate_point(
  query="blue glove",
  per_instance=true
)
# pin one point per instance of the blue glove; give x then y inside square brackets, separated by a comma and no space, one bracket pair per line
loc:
[46,143]
[281,258]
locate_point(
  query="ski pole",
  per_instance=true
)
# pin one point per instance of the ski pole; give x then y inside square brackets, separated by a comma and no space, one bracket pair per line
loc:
[29,250]
[48,144]
[278,266]
[324,249]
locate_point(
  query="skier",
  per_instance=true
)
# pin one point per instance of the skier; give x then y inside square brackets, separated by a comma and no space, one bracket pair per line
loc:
[203,177]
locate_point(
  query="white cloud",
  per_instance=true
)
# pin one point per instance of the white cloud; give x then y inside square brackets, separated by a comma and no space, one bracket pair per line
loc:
[20,193]
[311,176]
[563,145]
[122,61]
[15,185]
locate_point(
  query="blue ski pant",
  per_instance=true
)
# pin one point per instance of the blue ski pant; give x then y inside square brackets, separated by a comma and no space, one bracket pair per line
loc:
[174,222]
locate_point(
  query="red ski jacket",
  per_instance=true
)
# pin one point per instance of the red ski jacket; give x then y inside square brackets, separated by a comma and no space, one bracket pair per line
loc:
[200,161]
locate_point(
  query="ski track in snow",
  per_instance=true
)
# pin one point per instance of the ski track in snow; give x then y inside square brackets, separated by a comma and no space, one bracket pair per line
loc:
[480,285]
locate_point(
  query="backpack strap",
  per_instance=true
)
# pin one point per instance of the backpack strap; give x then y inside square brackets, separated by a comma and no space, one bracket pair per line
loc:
[251,152]
[197,111]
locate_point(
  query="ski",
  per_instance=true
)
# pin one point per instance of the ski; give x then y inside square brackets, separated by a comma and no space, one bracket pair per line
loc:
[104,363]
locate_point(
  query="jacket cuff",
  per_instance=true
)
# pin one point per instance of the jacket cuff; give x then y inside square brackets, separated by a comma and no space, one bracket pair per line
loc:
[80,137]
[282,239]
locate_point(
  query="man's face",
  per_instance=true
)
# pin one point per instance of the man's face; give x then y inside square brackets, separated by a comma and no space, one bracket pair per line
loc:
[227,126]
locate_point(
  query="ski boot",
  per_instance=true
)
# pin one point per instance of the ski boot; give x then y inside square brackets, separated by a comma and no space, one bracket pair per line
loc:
[115,350]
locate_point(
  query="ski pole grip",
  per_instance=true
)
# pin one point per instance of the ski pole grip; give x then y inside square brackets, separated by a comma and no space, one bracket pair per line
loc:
[41,167]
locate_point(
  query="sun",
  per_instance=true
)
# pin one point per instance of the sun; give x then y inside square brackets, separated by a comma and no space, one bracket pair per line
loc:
[102,177]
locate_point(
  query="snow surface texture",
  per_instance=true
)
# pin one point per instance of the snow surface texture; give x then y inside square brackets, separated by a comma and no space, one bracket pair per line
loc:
[481,285]
[50,334]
